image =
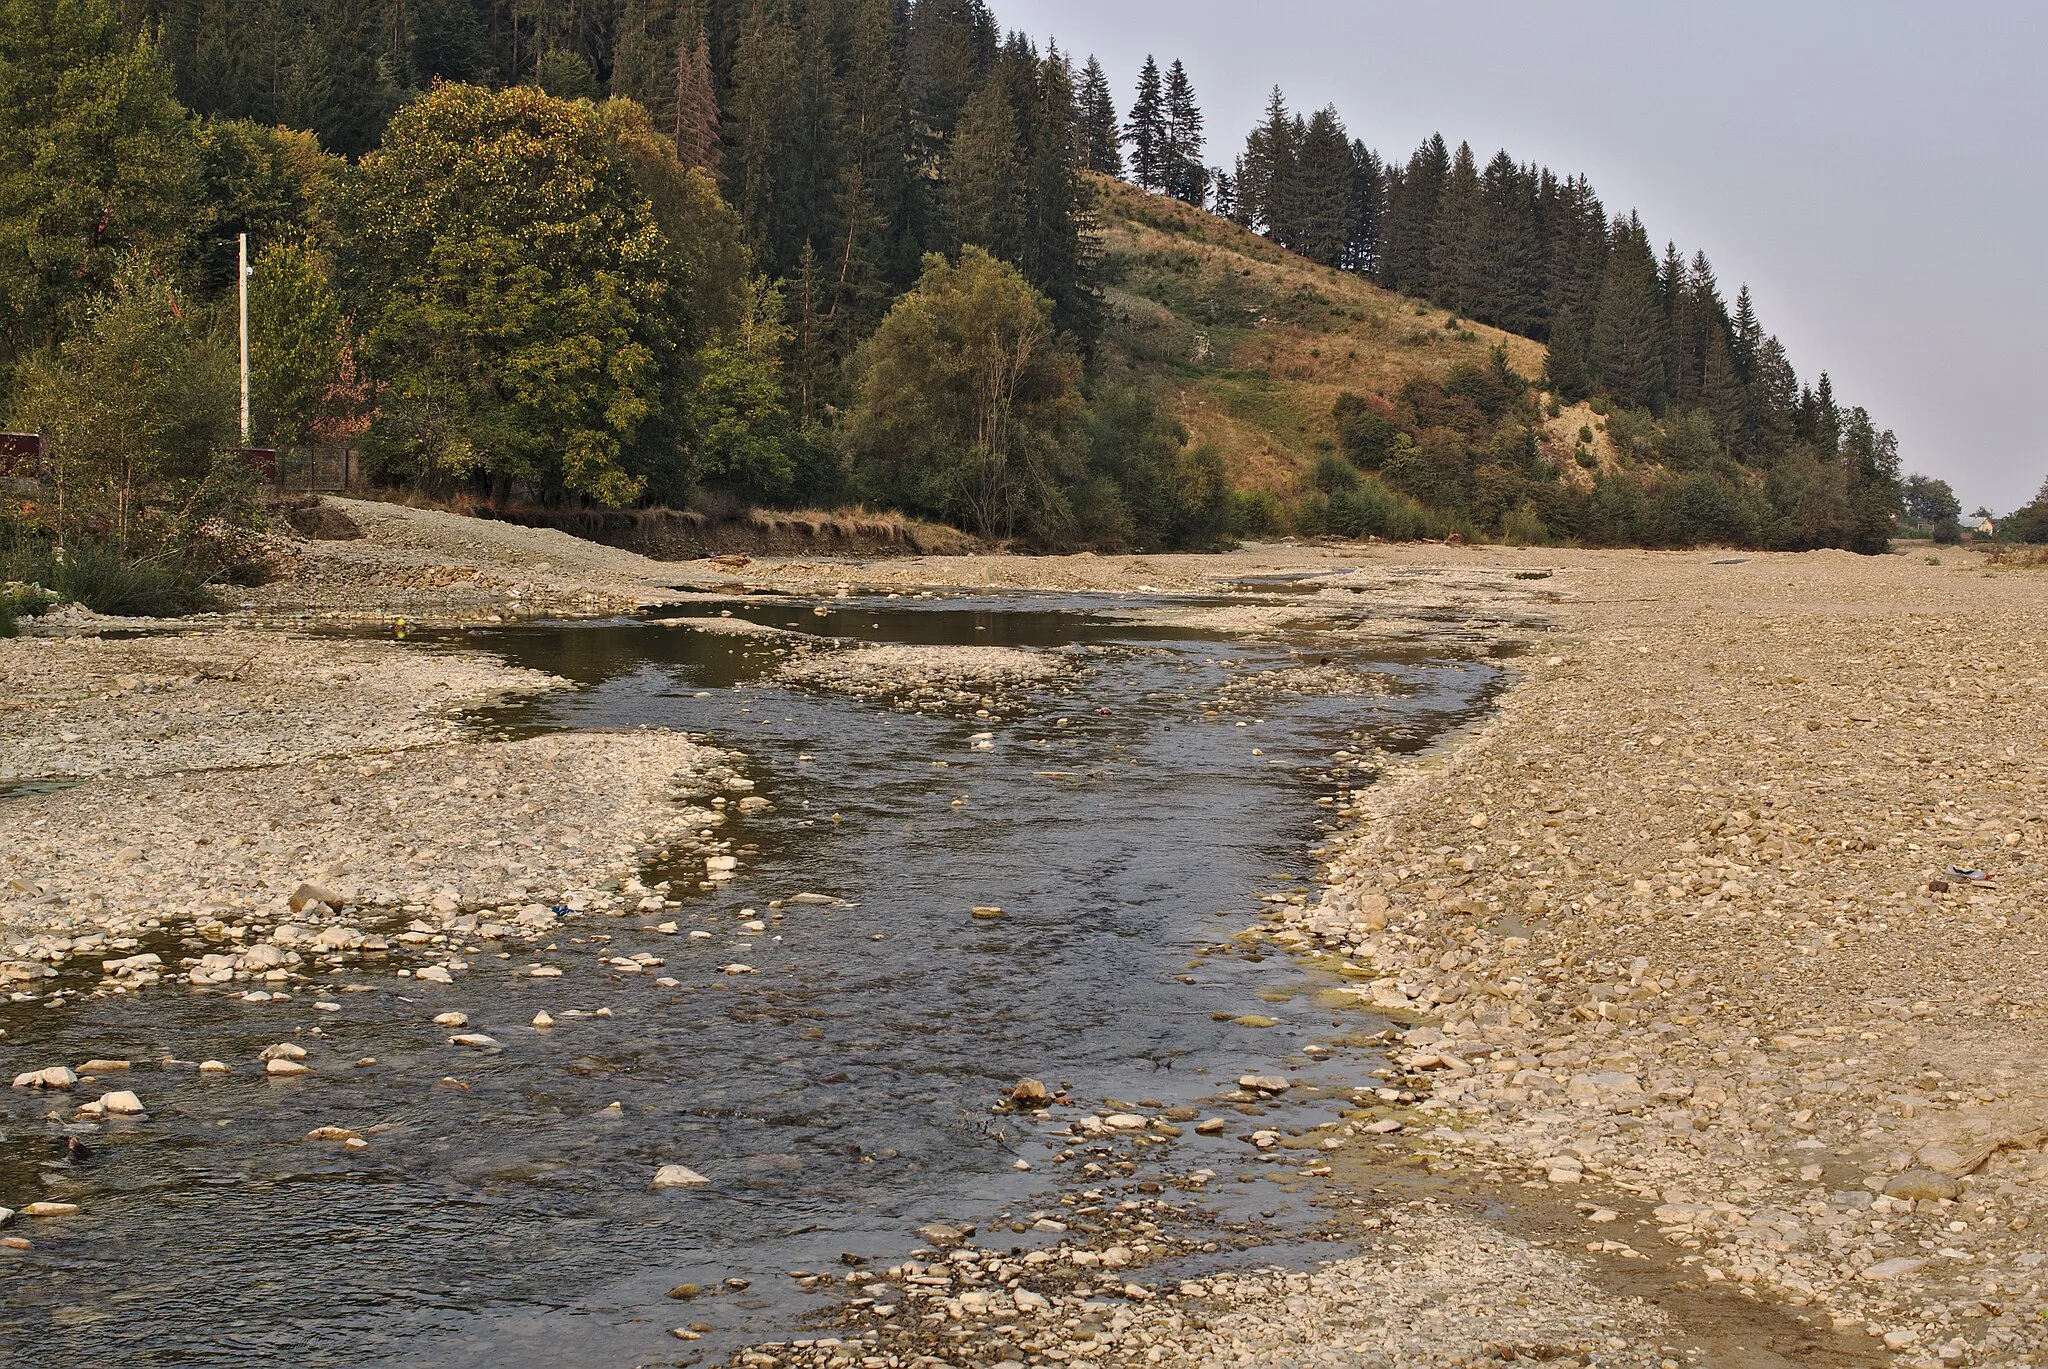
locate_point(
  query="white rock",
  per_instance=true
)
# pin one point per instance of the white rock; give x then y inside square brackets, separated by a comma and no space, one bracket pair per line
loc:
[212,1067]
[434,974]
[286,1067]
[284,1050]
[451,1019]
[542,1020]
[122,1102]
[1884,1271]
[475,1041]
[678,1176]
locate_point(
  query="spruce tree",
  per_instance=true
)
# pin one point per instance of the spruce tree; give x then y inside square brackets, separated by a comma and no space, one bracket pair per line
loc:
[1146,132]
[1628,331]
[1411,218]
[694,117]
[1265,171]
[1185,172]
[1510,285]
[986,175]
[1101,138]
[1324,173]
[1368,210]
[1456,266]
[644,57]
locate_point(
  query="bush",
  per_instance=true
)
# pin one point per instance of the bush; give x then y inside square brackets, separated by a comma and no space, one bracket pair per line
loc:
[95,575]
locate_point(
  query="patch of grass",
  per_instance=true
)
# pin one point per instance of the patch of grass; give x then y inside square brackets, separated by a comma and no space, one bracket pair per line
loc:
[96,575]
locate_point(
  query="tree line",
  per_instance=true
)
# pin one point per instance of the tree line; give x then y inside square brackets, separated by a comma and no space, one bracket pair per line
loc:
[650,250]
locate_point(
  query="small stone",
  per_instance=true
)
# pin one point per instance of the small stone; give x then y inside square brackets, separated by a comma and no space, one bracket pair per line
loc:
[49,1210]
[1900,1340]
[1884,1271]
[1211,1126]
[1386,1126]
[1124,1121]
[544,972]
[212,1067]
[1922,1186]
[55,1077]
[683,1292]
[122,1103]
[543,1021]
[737,968]
[284,1050]
[1264,1083]
[286,1067]
[331,1134]
[475,1041]
[678,1176]
[452,1019]
[988,914]
[434,974]
[104,1066]
[314,893]
[1030,1093]
[943,1237]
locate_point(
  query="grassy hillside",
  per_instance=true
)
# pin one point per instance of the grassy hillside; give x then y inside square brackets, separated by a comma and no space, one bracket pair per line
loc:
[1255,344]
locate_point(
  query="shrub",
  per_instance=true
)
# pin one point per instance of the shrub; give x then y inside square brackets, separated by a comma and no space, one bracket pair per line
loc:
[94,574]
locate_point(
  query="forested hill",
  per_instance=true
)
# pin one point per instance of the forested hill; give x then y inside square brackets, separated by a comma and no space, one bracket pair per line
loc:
[785,251]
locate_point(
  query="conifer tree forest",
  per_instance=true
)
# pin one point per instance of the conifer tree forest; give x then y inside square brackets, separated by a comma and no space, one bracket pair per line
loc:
[814,252]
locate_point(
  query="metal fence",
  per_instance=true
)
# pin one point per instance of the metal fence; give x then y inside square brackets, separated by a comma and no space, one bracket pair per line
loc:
[320,468]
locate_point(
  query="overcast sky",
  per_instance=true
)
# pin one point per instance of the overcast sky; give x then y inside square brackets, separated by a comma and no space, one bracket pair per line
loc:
[1874,170]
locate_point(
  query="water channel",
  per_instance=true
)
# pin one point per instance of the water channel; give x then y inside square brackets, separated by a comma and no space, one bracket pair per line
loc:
[836,1099]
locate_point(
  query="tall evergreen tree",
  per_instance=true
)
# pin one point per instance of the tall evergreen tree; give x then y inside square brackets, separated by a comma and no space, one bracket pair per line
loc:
[1456,265]
[694,120]
[1265,173]
[1628,331]
[1186,172]
[987,174]
[1147,132]
[1411,218]
[1323,187]
[1510,288]
[1368,210]
[1101,137]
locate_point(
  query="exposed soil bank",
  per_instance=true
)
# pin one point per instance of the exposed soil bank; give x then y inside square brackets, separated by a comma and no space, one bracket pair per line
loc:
[685,535]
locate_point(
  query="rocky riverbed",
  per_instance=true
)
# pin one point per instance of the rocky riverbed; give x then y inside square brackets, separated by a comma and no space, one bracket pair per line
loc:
[1717,954]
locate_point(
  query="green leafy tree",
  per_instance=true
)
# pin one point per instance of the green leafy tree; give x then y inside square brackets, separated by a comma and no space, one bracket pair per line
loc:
[136,404]
[968,406]
[1926,501]
[742,436]
[297,341]
[97,161]
[2029,523]
[519,294]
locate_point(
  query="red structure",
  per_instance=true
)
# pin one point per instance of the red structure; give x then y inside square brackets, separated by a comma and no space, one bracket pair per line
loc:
[21,454]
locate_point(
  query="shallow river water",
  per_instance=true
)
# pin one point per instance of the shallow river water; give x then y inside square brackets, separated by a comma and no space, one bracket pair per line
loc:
[836,1099]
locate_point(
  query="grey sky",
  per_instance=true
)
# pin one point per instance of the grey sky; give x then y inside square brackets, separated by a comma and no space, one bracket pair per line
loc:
[1874,171]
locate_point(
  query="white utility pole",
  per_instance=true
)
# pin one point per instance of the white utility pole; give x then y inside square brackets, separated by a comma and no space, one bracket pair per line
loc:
[242,279]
